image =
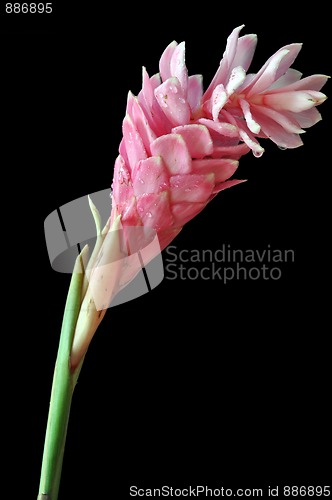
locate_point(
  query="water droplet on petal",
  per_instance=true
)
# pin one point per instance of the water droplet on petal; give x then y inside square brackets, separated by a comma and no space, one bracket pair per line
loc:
[148,214]
[282,147]
[258,154]
[163,99]
[141,180]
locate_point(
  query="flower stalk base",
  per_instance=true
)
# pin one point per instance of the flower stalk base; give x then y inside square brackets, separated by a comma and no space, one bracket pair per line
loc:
[64,381]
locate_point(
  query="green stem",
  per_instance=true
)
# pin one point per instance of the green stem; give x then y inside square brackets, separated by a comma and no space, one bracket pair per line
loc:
[62,391]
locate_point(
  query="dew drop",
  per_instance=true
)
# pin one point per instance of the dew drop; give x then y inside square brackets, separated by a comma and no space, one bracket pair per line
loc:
[258,154]
[148,214]
[141,180]
[163,99]
[282,148]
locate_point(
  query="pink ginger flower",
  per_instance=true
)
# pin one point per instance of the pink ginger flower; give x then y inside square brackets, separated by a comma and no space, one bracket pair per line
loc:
[182,145]
[180,148]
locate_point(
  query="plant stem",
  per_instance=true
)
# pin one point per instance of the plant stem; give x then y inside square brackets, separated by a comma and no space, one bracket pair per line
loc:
[63,385]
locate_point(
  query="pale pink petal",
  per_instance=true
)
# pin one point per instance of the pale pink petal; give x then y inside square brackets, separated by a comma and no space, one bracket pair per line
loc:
[285,119]
[195,91]
[313,82]
[173,149]
[232,47]
[218,100]
[172,101]
[206,108]
[286,62]
[154,210]
[227,184]
[223,128]
[133,142]
[277,134]
[146,95]
[197,138]
[136,238]
[130,98]
[155,80]
[295,101]
[158,122]
[191,188]
[236,78]
[245,134]
[267,74]
[245,51]
[150,176]
[308,118]
[184,212]
[246,83]
[273,69]
[128,210]
[178,66]
[223,141]
[291,76]
[146,98]
[251,123]
[233,152]
[226,63]
[223,168]
[165,61]
[123,152]
[251,142]
[140,122]
[122,185]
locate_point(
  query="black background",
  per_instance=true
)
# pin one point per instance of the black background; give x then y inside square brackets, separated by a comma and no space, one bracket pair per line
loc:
[197,382]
